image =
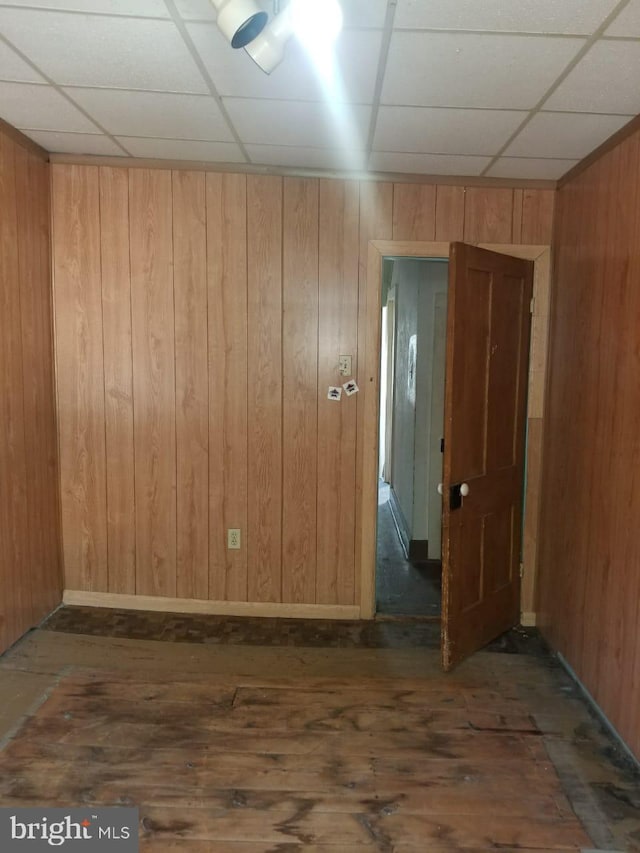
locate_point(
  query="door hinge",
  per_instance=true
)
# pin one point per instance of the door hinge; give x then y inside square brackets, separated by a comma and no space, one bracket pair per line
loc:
[532,304]
[442,445]
[521,570]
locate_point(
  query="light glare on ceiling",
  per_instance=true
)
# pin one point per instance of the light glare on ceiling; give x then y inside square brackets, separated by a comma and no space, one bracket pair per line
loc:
[317,25]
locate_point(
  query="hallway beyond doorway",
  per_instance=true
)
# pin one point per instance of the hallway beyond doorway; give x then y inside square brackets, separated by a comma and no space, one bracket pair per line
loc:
[403,588]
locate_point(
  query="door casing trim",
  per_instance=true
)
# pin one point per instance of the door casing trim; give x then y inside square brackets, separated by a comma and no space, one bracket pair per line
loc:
[367,506]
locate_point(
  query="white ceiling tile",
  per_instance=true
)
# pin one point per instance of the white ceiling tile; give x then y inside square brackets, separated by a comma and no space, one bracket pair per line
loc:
[299,123]
[525,16]
[235,74]
[364,13]
[467,70]
[155,114]
[12,67]
[592,87]
[427,164]
[111,52]
[75,143]
[25,105]
[196,10]
[357,13]
[183,149]
[444,131]
[308,158]
[627,23]
[564,135]
[141,8]
[530,168]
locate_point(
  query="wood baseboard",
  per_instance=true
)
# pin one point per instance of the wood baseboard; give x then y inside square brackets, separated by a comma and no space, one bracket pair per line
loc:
[528,619]
[160,604]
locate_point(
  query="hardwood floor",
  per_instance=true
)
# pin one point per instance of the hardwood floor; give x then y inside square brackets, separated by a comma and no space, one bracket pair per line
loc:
[252,748]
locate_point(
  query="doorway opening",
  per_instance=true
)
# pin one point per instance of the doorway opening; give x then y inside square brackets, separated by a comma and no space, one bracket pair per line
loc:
[411,431]
[493,292]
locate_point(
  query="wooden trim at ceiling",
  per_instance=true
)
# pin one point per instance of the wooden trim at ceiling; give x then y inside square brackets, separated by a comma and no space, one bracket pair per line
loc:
[250,169]
[612,142]
[161,604]
[19,137]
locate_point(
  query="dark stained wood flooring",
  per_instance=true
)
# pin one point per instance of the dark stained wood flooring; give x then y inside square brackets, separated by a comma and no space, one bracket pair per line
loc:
[252,748]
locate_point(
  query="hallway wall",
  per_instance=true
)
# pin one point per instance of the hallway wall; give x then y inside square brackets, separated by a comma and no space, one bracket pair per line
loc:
[589,571]
[199,321]
[30,576]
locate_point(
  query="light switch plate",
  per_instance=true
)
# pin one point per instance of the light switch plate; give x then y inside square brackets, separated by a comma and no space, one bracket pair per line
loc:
[344,365]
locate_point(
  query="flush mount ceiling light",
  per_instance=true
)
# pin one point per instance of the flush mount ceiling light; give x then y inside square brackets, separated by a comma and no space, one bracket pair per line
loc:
[240,21]
[316,23]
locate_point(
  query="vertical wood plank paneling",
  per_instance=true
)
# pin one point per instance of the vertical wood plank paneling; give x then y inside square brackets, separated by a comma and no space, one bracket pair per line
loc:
[192,383]
[151,239]
[589,550]
[449,213]
[33,412]
[79,348]
[222,304]
[337,421]
[118,378]
[516,225]
[537,216]
[29,520]
[45,588]
[488,215]
[264,235]
[300,389]
[228,425]
[621,609]
[414,212]
[603,369]
[15,606]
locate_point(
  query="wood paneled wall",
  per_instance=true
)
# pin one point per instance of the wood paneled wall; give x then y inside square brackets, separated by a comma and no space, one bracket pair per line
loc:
[30,575]
[199,321]
[589,570]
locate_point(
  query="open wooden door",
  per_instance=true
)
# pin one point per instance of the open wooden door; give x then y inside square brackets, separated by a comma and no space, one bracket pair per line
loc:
[488,328]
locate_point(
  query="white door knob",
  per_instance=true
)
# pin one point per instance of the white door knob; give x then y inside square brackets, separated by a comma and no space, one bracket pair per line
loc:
[440,489]
[464,490]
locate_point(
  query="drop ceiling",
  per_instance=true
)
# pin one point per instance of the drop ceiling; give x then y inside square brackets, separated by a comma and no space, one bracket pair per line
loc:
[518,89]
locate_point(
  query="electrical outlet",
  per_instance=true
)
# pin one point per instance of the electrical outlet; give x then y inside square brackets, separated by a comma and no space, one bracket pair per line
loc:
[233,539]
[344,365]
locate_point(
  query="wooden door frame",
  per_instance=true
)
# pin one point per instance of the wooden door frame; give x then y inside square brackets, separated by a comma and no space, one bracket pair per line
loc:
[367,509]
